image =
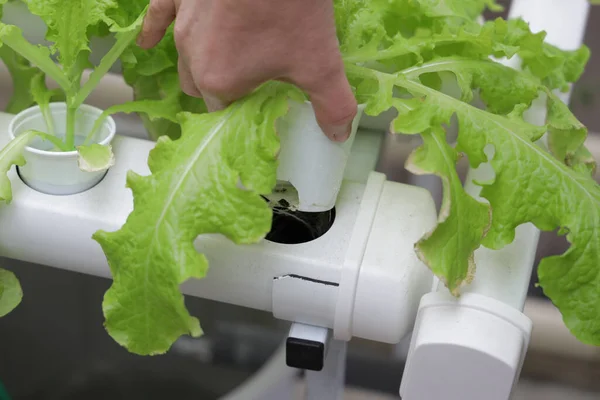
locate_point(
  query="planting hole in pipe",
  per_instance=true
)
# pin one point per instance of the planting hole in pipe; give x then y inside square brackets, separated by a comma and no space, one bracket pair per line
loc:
[291,226]
[54,172]
[295,227]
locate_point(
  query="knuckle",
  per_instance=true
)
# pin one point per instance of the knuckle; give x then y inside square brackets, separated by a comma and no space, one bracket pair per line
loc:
[217,81]
[327,82]
[181,32]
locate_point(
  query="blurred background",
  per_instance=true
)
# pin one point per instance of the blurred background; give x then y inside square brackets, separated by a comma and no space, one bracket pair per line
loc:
[54,347]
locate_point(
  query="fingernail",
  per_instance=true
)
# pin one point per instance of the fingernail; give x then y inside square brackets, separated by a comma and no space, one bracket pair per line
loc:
[213,103]
[341,133]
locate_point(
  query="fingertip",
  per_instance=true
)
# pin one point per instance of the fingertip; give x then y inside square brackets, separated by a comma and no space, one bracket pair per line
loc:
[161,14]
[213,103]
[338,133]
[336,113]
[148,37]
[334,104]
[140,41]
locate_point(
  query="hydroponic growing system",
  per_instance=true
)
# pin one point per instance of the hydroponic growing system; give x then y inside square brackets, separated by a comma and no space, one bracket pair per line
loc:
[359,276]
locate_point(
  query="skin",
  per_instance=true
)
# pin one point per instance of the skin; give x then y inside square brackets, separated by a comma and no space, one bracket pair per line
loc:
[227,48]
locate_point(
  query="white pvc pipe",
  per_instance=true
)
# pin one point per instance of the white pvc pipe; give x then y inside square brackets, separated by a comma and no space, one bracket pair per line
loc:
[296,282]
[505,274]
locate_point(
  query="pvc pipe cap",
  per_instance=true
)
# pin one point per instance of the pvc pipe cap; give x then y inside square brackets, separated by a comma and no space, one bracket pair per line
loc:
[470,348]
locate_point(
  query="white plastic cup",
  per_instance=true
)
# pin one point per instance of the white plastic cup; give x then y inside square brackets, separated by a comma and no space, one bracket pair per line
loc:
[309,160]
[53,172]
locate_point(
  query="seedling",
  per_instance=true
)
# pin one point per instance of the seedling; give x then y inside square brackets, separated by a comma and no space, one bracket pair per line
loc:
[71,25]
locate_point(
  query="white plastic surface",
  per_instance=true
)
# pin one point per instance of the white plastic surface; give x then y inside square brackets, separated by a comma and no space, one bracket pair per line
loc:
[244,275]
[471,349]
[310,161]
[290,300]
[53,172]
[353,259]
[392,279]
[258,276]
[311,333]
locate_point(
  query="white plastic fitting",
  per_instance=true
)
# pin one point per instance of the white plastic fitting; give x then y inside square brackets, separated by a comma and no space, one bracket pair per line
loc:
[361,278]
[54,172]
[473,347]
[309,161]
[470,349]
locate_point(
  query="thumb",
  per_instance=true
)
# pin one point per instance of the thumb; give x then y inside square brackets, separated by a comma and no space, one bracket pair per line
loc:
[334,104]
[160,15]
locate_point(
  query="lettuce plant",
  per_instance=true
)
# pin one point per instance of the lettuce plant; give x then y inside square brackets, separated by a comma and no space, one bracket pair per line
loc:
[70,26]
[21,72]
[397,54]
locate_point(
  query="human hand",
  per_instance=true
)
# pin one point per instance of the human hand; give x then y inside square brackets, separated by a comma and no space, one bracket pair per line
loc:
[227,48]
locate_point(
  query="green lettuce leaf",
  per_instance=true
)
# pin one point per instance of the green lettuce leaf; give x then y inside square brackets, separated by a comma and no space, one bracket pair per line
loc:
[68,25]
[10,292]
[359,22]
[42,97]
[163,88]
[12,154]
[462,222]
[403,69]
[153,76]
[21,73]
[193,190]
[467,9]
[530,185]
[566,135]
[38,56]
[396,54]
[153,109]
[95,157]
[124,36]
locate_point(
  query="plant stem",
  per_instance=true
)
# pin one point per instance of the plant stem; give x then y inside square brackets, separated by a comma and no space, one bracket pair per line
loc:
[70,134]
[54,140]
[124,39]
[45,109]
[96,127]
[14,39]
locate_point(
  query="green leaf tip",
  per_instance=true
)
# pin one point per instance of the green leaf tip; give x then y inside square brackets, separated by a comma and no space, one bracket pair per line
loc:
[12,154]
[463,221]
[11,293]
[68,25]
[95,157]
